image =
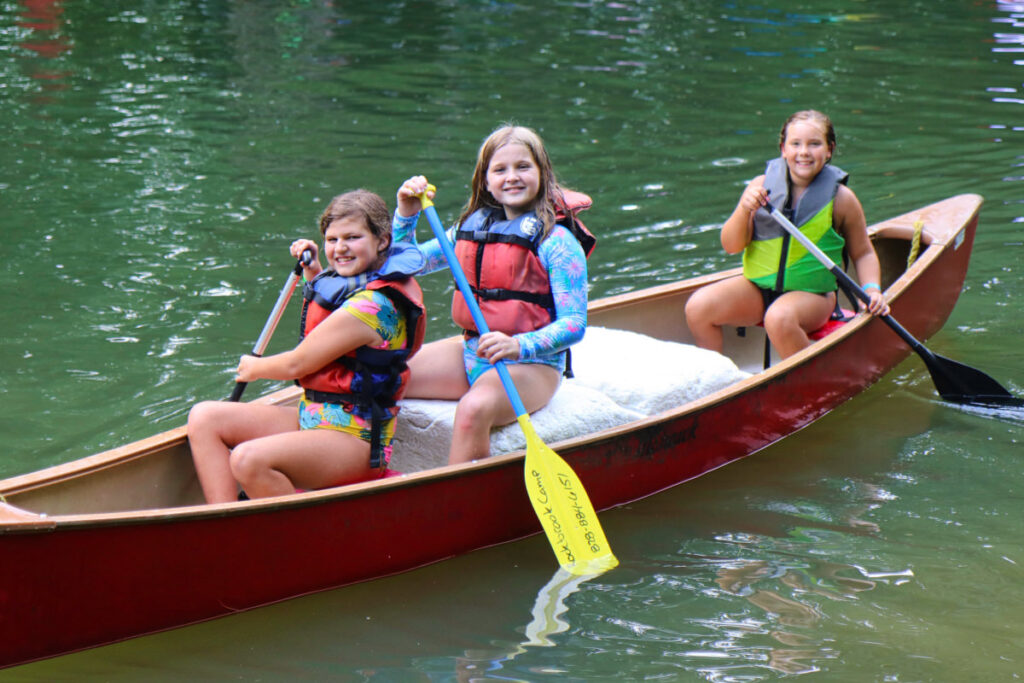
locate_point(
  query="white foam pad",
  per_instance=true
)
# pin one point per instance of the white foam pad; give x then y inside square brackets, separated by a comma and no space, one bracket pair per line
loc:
[423,434]
[620,376]
[649,375]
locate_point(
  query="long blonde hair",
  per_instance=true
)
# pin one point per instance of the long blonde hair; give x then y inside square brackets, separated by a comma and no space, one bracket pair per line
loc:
[548,195]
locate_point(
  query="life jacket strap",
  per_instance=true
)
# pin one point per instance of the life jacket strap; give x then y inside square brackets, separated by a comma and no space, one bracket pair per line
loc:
[544,300]
[377,407]
[485,237]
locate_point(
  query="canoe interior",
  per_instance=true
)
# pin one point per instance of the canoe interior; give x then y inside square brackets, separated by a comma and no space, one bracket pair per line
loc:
[157,473]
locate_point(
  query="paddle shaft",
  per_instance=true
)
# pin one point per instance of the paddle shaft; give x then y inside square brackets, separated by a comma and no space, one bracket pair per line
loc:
[275,316]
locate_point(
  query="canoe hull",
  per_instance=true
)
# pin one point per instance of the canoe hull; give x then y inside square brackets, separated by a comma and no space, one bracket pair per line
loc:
[69,582]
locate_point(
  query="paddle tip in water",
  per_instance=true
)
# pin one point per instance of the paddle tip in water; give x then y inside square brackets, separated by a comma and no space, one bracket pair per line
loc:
[1005,411]
[996,402]
[956,382]
[982,401]
[592,566]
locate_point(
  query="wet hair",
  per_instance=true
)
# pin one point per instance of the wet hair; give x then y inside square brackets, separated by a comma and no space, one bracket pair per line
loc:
[364,205]
[813,116]
[549,192]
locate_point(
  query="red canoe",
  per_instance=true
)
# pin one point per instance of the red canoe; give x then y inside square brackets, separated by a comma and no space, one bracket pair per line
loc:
[119,544]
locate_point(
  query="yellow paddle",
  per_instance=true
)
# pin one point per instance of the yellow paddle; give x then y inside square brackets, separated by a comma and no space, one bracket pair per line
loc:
[558,497]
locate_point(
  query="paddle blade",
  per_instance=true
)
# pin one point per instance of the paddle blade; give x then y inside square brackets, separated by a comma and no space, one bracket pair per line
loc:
[959,383]
[564,509]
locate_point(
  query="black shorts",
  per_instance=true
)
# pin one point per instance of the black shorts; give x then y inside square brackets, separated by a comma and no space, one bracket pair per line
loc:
[768,297]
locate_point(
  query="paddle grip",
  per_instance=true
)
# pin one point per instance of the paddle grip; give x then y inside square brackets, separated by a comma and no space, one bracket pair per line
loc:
[467,293]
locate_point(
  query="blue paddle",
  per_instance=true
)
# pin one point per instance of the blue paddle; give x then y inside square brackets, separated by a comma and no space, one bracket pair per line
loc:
[558,497]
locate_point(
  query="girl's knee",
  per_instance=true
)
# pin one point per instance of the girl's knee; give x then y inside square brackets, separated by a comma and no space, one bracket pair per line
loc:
[475,411]
[773,319]
[696,308]
[469,408]
[198,410]
[201,416]
[245,462]
[780,316]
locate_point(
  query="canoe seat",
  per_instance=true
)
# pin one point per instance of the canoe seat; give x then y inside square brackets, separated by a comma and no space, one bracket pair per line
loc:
[832,325]
[826,329]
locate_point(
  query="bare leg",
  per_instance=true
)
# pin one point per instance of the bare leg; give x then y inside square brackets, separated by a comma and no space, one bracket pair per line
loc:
[792,316]
[216,427]
[310,459]
[438,371]
[734,301]
[486,405]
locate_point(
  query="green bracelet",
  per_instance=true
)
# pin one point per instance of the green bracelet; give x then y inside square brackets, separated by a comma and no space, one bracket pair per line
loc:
[871,285]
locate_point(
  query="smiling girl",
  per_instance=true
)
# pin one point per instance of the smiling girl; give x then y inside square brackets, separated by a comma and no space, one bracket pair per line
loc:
[362,319]
[524,255]
[782,284]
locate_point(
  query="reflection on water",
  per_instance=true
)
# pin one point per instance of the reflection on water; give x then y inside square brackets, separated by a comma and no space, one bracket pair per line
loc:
[774,593]
[790,594]
[548,620]
[46,40]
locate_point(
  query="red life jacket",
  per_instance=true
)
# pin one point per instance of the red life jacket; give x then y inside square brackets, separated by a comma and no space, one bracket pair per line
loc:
[500,260]
[368,382]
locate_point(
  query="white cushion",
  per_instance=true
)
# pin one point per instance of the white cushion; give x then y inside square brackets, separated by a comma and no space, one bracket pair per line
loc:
[423,434]
[649,375]
[620,376]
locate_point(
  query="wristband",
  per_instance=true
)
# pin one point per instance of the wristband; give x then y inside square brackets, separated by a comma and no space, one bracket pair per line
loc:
[871,285]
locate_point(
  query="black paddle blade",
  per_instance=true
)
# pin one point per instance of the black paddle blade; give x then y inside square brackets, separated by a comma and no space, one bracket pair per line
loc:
[959,383]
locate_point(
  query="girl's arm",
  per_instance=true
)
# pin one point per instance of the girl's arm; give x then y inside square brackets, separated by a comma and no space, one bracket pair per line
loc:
[403,229]
[563,257]
[739,227]
[407,213]
[338,334]
[848,217]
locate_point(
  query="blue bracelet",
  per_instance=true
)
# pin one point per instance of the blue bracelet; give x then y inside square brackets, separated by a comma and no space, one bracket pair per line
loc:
[871,285]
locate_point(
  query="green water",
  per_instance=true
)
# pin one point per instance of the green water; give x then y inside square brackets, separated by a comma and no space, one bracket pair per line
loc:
[160,156]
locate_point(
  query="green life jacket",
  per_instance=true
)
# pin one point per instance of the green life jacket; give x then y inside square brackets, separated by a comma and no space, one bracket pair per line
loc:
[772,260]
